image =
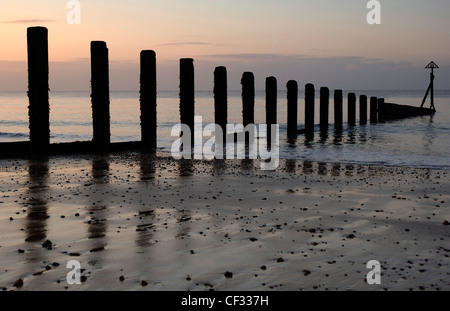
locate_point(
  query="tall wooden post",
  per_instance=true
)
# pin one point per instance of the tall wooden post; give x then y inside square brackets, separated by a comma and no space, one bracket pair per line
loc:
[338,108]
[373,109]
[187,94]
[100,96]
[38,87]
[271,106]
[351,109]
[221,98]
[248,98]
[324,108]
[148,93]
[381,113]
[292,108]
[309,108]
[363,109]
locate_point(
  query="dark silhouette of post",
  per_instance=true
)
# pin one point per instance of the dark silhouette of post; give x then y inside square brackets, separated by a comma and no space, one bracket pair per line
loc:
[148,93]
[324,108]
[38,88]
[381,110]
[100,96]
[271,105]
[362,109]
[292,108]
[351,109]
[187,94]
[221,99]
[373,109]
[248,98]
[309,108]
[338,108]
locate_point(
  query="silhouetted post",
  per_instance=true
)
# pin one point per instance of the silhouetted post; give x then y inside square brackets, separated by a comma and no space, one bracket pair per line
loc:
[221,99]
[100,96]
[292,108]
[381,114]
[373,110]
[187,94]
[309,108]
[324,108]
[338,106]
[248,98]
[271,105]
[148,95]
[39,107]
[363,109]
[351,108]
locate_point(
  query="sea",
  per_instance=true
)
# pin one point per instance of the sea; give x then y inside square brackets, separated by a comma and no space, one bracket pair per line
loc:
[421,142]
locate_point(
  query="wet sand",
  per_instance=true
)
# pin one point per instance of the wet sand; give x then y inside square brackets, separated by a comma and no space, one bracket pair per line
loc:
[182,225]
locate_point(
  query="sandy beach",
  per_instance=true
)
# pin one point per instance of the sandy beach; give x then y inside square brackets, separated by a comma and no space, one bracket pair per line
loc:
[135,222]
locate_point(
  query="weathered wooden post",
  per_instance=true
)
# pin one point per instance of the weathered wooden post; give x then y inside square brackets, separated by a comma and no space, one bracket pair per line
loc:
[148,93]
[381,113]
[221,99]
[351,109]
[271,106]
[338,108]
[100,96]
[248,98]
[309,108]
[362,109]
[39,107]
[373,109]
[324,108]
[187,94]
[292,108]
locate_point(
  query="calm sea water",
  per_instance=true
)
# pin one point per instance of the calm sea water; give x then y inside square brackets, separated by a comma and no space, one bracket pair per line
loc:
[418,142]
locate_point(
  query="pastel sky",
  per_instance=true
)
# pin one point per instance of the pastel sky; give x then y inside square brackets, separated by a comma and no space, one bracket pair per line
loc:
[325,42]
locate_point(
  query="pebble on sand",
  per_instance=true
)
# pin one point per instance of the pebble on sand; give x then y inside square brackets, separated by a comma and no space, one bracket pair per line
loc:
[18,283]
[228,274]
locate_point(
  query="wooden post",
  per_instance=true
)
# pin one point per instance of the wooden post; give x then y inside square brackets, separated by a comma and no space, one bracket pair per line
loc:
[324,108]
[221,98]
[187,94]
[363,109]
[373,110]
[309,108]
[381,116]
[292,108]
[38,87]
[351,109]
[338,108]
[248,98]
[100,96]
[148,93]
[271,106]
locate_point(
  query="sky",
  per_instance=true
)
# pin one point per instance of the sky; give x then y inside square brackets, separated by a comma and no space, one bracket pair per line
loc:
[325,42]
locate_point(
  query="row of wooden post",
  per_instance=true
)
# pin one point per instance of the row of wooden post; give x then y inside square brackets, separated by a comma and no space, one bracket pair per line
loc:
[39,98]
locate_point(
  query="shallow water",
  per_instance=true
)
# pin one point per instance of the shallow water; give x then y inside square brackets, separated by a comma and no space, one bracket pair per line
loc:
[418,142]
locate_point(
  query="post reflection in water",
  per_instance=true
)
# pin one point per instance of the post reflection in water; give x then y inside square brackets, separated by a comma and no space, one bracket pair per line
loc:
[36,221]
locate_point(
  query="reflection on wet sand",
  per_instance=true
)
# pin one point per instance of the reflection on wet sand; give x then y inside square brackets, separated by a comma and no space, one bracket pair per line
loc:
[186,167]
[147,163]
[97,225]
[36,224]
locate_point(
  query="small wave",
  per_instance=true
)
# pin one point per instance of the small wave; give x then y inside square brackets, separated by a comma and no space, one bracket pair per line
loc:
[13,135]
